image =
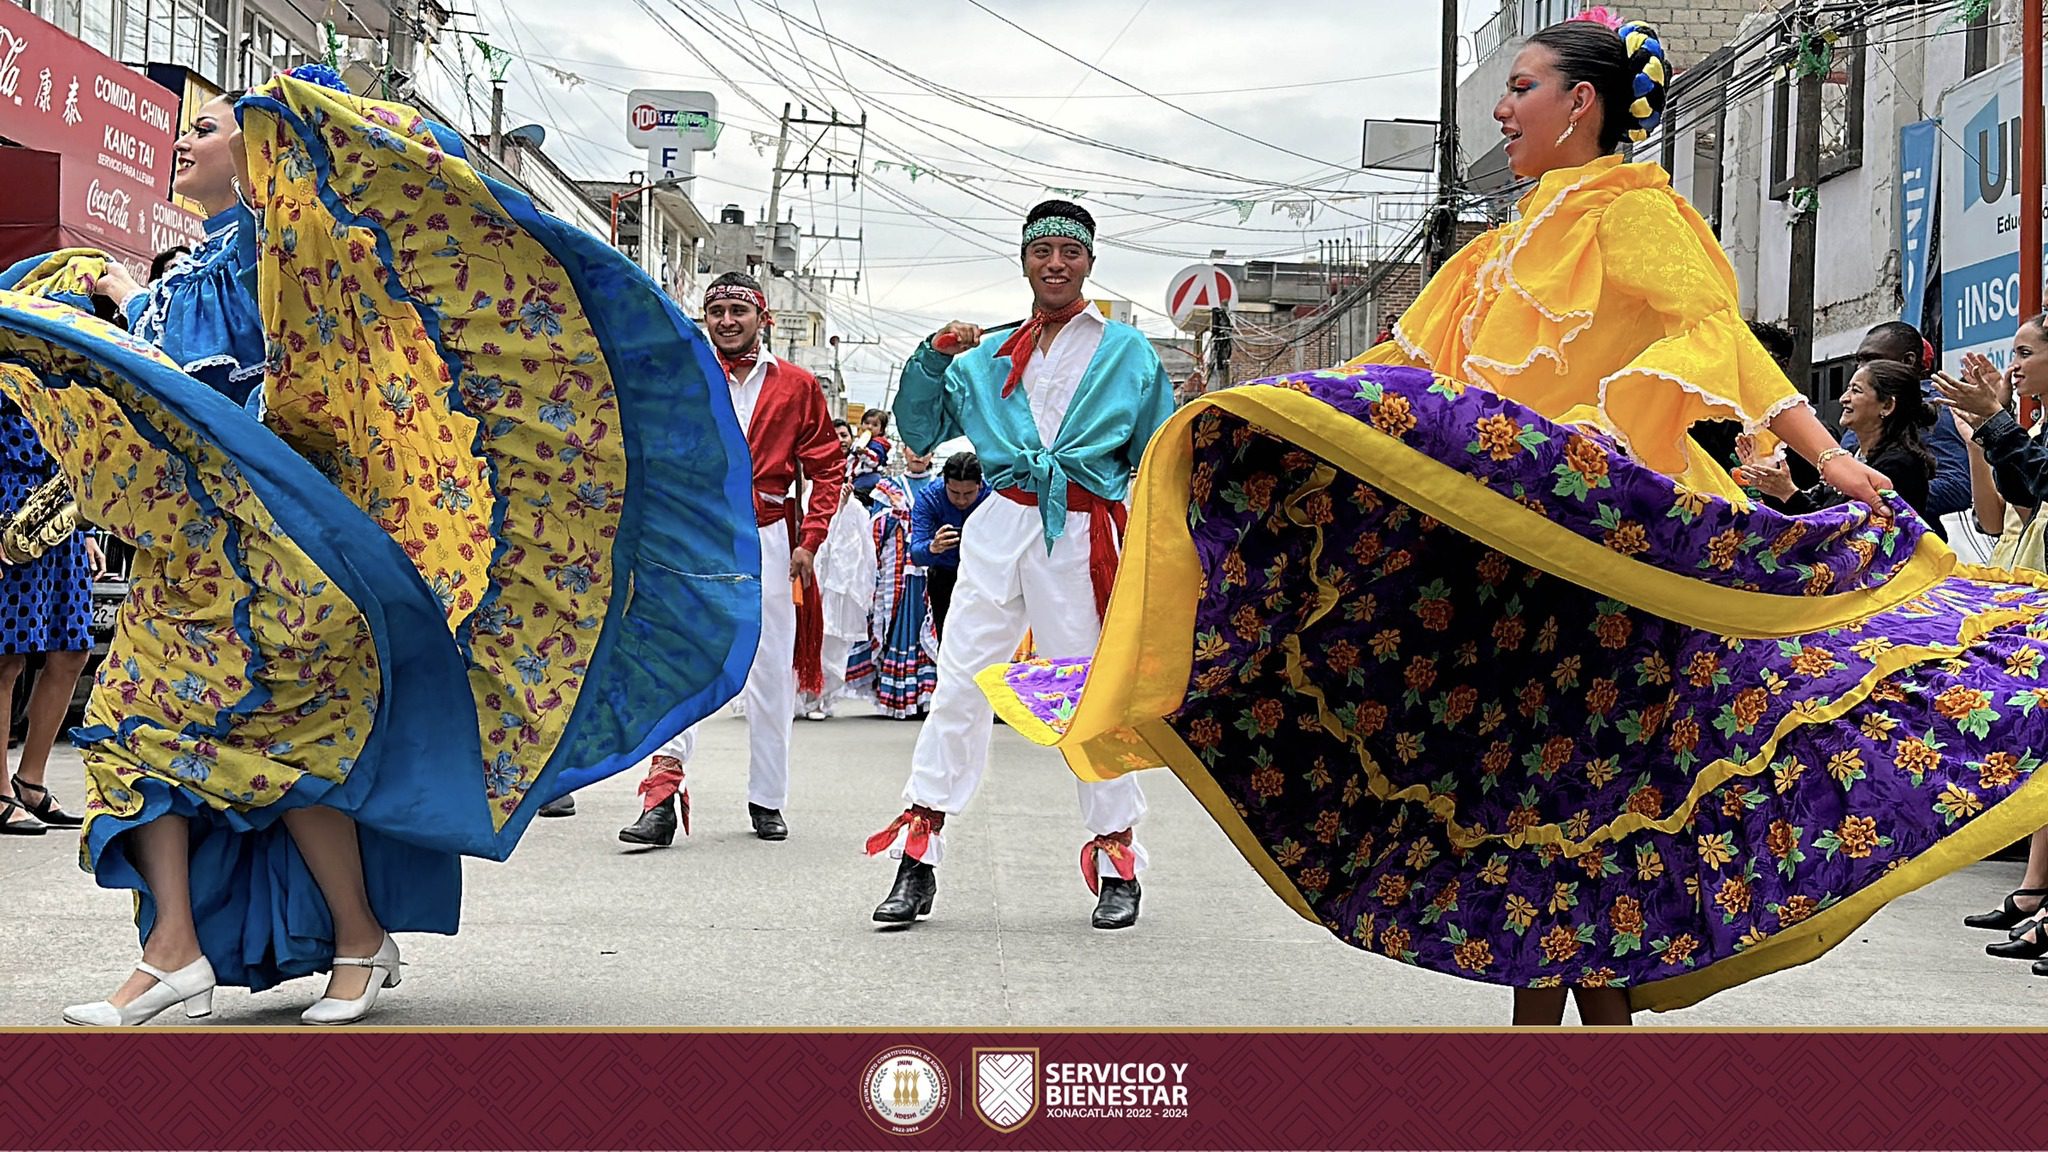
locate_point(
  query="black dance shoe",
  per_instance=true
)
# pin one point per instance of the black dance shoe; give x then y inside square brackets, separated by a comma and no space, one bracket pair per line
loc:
[2009,914]
[910,899]
[46,809]
[2030,945]
[1116,906]
[768,824]
[559,806]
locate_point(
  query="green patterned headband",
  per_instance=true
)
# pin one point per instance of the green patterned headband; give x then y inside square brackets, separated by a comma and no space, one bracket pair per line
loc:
[1063,226]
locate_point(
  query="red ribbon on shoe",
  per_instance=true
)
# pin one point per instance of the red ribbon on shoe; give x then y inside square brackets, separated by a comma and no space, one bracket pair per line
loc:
[665,781]
[924,823]
[1106,522]
[1118,845]
[1024,341]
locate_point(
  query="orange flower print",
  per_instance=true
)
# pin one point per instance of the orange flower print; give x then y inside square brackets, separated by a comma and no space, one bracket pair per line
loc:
[1397,561]
[1613,629]
[1393,415]
[1958,702]
[1732,801]
[1268,782]
[1782,839]
[2024,662]
[1353,791]
[1628,538]
[1531,697]
[1258,491]
[1493,568]
[1395,939]
[1546,636]
[1700,671]
[1597,977]
[1785,773]
[1734,896]
[1267,715]
[1234,575]
[1797,908]
[1916,756]
[1474,955]
[1386,642]
[1785,540]
[1846,765]
[1685,735]
[1366,549]
[1497,757]
[1459,704]
[1566,674]
[1690,502]
[1522,819]
[1602,697]
[1649,864]
[1813,661]
[1557,752]
[1205,732]
[1722,549]
[1593,863]
[1408,746]
[1626,916]
[1327,826]
[1998,770]
[1246,623]
[1421,674]
[1202,482]
[1681,949]
[1495,872]
[1318,508]
[1822,579]
[1313,879]
[1372,716]
[1421,854]
[1586,458]
[1857,835]
[1959,802]
[1601,772]
[1435,613]
[1341,657]
[1392,889]
[1716,850]
[1560,944]
[1508,632]
[1877,727]
[1290,852]
[1750,706]
[1498,437]
[1521,913]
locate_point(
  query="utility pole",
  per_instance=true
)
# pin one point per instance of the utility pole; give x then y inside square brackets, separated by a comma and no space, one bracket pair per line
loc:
[1444,236]
[498,119]
[775,179]
[1813,60]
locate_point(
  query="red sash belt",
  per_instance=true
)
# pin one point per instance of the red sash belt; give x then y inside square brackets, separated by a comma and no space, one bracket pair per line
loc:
[1106,520]
[810,602]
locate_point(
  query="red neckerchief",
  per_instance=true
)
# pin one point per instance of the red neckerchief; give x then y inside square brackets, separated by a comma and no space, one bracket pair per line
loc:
[1024,341]
[737,369]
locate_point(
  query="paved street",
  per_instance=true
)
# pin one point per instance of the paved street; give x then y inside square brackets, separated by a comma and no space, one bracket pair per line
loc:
[728,931]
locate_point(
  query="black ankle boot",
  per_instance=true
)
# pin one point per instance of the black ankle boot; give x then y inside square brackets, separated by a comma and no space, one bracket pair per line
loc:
[911,898]
[656,827]
[1116,906]
[768,823]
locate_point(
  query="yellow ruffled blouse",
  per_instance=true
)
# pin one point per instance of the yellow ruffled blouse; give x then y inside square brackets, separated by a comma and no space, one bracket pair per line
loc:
[1608,303]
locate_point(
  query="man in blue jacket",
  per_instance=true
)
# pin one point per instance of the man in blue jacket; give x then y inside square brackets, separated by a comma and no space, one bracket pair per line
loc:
[935,522]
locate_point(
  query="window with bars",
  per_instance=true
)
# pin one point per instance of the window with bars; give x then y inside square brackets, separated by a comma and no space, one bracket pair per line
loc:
[190,33]
[266,51]
[1841,118]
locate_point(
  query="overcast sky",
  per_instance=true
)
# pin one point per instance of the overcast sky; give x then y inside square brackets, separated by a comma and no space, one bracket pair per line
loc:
[1296,82]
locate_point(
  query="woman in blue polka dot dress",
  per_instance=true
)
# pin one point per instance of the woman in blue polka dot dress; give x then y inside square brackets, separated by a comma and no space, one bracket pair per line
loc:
[45,609]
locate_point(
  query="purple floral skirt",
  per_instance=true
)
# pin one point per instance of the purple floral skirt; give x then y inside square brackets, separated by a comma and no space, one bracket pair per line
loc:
[1477,692]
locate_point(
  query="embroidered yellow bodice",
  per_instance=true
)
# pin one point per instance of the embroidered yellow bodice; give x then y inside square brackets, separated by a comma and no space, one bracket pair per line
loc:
[1607,302]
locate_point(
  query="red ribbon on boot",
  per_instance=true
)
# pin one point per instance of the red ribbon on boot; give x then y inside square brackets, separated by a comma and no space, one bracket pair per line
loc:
[1024,341]
[665,781]
[1118,845]
[924,823]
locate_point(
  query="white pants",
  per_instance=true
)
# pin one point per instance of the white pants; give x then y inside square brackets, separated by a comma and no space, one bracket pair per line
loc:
[771,683]
[1008,585]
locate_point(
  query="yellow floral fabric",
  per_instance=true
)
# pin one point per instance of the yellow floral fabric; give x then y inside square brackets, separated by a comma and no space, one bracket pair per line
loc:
[1608,304]
[386,264]
[237,668]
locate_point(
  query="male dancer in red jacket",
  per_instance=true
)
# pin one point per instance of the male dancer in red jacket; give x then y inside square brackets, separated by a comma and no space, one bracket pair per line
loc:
[792,439]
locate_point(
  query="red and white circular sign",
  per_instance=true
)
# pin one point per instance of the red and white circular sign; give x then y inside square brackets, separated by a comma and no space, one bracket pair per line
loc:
[1197,289]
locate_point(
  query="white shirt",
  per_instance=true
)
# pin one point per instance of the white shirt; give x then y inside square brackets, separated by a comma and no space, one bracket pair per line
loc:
[1052,376]
[747,393]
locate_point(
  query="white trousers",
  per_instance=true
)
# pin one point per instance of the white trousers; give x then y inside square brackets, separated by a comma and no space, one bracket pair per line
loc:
[1008,585]
[771,683]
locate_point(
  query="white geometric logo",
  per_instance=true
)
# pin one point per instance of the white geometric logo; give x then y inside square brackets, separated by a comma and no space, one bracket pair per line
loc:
[1005,1086]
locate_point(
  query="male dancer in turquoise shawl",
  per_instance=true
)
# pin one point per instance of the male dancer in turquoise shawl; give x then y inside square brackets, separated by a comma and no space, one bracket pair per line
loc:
[1060,409]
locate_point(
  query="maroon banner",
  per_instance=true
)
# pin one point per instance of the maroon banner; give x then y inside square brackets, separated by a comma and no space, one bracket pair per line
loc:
[112,125]
[1650,1087]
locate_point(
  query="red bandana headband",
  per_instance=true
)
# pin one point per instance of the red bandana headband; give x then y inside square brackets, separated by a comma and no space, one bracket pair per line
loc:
[754,296]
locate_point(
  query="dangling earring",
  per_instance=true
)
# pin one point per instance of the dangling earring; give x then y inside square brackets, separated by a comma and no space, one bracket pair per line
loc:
[1570,127]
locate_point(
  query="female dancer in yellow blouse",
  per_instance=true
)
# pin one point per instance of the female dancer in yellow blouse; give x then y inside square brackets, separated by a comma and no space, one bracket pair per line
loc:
[1515,311]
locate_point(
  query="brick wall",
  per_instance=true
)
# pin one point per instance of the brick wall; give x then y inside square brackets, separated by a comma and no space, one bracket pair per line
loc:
[1692,31]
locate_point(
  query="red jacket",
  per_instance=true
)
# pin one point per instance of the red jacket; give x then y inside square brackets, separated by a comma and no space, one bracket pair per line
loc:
[792,430]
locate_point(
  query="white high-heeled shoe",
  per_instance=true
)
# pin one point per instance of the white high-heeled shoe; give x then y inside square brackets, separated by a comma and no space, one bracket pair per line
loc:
[328,1010]
[191,986]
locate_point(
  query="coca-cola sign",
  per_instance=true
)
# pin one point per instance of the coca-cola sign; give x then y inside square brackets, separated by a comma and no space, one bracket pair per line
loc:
[107,205]
[111,125]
